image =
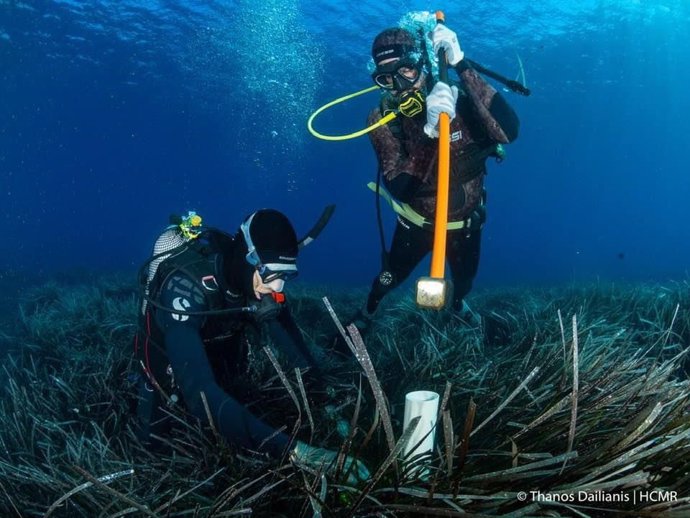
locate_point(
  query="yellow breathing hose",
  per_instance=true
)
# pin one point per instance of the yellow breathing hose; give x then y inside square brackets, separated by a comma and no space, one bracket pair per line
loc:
[383,121]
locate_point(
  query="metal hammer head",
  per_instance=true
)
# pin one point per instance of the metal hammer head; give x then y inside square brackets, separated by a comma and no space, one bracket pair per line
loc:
[431,292]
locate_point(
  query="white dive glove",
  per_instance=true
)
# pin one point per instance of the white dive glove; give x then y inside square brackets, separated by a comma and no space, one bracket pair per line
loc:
[441,99]
[443,38]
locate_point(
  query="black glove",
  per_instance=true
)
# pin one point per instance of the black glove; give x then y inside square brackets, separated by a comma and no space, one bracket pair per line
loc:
[267,309]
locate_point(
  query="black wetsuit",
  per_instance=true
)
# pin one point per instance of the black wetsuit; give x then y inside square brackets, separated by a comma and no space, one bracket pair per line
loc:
[187,355]
[408,160]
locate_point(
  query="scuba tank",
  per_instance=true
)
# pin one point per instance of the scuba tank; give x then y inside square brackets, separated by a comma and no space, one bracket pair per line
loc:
[181,231]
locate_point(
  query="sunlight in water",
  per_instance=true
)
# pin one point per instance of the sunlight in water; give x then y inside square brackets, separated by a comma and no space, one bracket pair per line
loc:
[279,69]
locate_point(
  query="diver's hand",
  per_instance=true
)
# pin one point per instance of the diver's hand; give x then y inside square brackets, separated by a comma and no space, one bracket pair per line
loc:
[267,309]
[317,458]
[342,427]
[441,99]
[443,38]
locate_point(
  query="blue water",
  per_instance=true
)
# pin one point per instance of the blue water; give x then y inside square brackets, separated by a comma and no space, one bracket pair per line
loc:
[114,115]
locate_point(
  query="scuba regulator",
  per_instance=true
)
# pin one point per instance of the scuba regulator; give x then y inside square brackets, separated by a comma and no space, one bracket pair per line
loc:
[269,307]
[411,103]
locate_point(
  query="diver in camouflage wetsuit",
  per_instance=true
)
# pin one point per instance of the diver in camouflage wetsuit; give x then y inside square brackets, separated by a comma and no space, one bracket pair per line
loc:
[407,152]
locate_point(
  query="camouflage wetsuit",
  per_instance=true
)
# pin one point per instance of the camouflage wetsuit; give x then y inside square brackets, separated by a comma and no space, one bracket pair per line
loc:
[408,161]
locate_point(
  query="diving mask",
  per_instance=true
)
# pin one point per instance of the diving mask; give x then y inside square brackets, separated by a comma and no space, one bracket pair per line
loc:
[277,271]
[399,75]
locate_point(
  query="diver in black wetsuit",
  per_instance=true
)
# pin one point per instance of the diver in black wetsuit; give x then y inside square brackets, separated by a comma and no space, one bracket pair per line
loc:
[204,293]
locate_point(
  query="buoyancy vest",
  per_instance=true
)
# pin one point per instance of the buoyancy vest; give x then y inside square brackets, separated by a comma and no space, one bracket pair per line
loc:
[198,260]
[472,159]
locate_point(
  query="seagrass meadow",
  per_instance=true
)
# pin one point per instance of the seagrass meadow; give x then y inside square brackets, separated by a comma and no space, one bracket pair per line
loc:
[566,401]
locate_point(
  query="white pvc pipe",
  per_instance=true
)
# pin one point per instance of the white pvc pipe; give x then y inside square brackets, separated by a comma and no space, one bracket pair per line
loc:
[422,403]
